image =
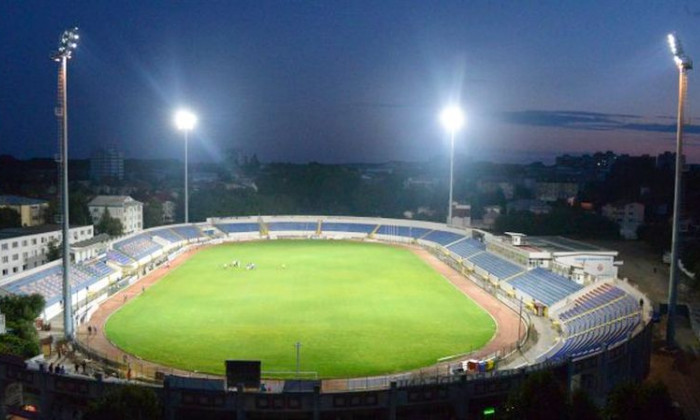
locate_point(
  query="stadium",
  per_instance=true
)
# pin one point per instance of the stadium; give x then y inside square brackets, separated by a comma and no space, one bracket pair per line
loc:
[326,317]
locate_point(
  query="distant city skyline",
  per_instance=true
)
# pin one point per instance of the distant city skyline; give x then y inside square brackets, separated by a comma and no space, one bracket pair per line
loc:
[351,81]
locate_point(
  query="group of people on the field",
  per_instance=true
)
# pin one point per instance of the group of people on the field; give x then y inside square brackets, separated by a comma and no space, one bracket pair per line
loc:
[236,264]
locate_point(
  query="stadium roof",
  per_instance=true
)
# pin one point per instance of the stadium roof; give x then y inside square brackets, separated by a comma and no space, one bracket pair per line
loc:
[561,244]
[15,200]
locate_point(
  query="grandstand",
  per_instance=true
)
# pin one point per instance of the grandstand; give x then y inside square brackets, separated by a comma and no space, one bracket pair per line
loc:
[405,231]
[494,265]
[348,227]
[117,258]
[466,247]
[238,227]
[189,232]
[167,234]
[137,247]
[48,281]
[99,267]
[442,237]
[544,286]
[292,226]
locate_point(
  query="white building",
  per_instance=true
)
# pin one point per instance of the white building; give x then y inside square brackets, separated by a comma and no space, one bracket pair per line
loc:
[122,207]
[26,248]
[629,216]
[580,261]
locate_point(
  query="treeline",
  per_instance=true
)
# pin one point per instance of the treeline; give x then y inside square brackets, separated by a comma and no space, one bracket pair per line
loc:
[564,220]
[321,189]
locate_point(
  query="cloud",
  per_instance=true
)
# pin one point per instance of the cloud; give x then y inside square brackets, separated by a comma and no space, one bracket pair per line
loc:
[593,121]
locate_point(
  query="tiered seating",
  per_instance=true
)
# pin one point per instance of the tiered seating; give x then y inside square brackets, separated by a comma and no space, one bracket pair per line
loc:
[544,286]
[441,237]
[594,338]
[137,247]
[466,247]
[348,227]
[188,232]
[118,258]
[495,265]
[167,234]
[605,315]
[80,274]
[407,231]
[292,226]
[45,282]
[238,227]
[600,296]
[49,282]
[99,268]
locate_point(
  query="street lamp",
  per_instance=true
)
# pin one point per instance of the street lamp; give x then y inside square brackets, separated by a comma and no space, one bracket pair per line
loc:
[684,63]
[66,46]
[452,119]
[185,121]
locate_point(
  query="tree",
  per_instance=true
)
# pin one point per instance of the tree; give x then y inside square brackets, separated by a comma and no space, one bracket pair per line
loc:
[20,312]
[109,225]
[53,251]
[152,213]
[126,402]
[9,218]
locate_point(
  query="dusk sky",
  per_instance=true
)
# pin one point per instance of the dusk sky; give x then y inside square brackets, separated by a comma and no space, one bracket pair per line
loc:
[350,81]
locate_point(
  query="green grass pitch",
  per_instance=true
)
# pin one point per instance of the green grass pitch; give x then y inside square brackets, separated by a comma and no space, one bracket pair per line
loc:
[356,308]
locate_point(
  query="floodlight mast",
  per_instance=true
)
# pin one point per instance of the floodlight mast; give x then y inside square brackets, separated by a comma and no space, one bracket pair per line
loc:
[452,119]
[66,46]
[684,63]
[185,121]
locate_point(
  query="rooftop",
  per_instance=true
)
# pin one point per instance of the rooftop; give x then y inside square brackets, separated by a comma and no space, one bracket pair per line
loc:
[15,200]
[102,237]
[30,230]
[111,201]
[561,244]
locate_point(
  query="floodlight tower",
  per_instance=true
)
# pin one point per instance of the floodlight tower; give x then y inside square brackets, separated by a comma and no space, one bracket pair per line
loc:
[66,46]
[185,121]
[684,63]
[452,119]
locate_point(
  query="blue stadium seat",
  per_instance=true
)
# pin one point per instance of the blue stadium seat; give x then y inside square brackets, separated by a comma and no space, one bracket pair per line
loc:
[495,265]
[544,286]
[292,226]
[405,231]
[238,227]
[466,247]
[441,237]
[347,227]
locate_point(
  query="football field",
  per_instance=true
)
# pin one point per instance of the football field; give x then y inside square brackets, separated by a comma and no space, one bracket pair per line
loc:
[356,308]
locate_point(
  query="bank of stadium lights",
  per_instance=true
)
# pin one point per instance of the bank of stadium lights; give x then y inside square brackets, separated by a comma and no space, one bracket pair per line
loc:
[684,63]
[679,56]
[185,121]
[452,118]
[66,45]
